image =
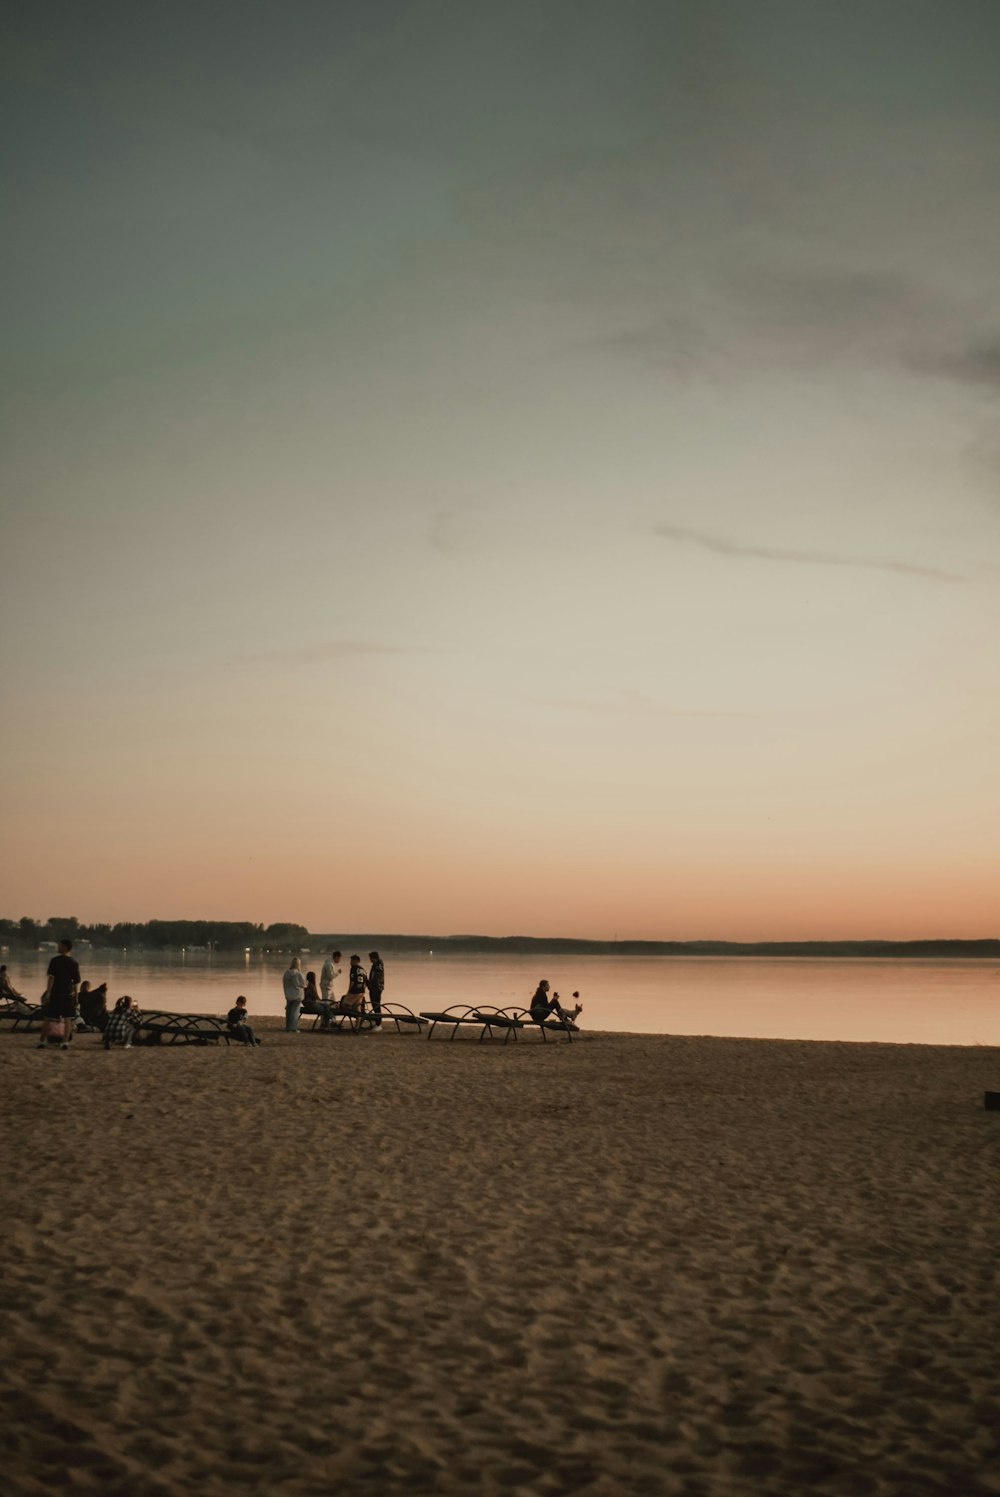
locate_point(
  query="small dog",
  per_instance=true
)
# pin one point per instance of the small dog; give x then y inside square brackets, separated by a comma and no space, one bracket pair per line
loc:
[570,1014]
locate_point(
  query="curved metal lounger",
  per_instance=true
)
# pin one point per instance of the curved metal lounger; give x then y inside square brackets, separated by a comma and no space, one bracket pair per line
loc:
[404,1019]
[508,1021]
[345,1021]
[520,1018]
[352,1021]
[457,1015]
[188,1029]
[35,1015]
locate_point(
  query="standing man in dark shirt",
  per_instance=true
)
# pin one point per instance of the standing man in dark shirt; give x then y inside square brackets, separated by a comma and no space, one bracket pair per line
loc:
[59,1001]
[376,984]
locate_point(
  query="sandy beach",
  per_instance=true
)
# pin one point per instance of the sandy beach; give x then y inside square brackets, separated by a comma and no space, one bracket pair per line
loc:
[371,1264]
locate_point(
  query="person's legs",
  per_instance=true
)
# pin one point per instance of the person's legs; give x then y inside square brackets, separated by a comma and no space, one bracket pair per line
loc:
[375,995]
[541,1011]
[325,1009]
[292,1008]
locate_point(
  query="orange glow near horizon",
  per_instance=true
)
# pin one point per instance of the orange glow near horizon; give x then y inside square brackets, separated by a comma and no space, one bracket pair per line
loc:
[569,509]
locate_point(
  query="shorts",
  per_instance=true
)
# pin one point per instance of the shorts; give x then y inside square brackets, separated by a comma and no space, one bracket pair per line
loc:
[60,1006]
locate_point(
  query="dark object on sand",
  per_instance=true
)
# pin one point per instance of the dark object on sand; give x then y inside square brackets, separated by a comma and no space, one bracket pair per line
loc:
[992,1101]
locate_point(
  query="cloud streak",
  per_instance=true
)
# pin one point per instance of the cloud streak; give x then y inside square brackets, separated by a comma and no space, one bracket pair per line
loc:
[719,546]
[629,703]
[978,364]
[318,654]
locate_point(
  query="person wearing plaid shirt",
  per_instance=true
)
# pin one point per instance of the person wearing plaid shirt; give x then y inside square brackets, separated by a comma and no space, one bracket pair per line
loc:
[121,1023]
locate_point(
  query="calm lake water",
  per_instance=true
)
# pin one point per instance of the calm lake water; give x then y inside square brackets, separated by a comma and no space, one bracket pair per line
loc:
[923,1002]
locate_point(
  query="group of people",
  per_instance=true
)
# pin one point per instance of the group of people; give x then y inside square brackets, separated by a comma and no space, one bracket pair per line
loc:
[302,996]
[69,1003]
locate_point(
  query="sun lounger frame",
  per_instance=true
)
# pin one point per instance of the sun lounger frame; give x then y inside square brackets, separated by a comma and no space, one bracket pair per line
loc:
[35,1015]
[492,1021]
[184,1029]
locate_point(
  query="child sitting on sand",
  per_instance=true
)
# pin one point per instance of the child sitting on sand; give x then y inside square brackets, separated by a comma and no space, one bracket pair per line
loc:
[239,1029]
[121,1024]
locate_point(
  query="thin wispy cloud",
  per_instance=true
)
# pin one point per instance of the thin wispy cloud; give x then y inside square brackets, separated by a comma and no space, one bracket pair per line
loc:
[322,652]
[978,364]
[719,546]
[629,703]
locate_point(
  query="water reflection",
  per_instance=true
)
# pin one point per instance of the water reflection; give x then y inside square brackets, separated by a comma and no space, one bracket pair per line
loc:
[924,1002]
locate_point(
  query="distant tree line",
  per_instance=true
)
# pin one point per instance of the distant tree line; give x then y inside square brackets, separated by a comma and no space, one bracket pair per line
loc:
[156,935]
[239,935]
[559,945]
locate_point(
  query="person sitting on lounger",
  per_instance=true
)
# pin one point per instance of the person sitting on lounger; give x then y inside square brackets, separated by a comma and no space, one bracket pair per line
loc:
[236,1020]
[542,1005]
[8,992]
[314,1003]
[93,1005]
[10,997]
[122,1024]
[357,986]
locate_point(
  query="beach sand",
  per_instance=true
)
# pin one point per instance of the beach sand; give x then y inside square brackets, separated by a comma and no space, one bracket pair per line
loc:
[372,1264]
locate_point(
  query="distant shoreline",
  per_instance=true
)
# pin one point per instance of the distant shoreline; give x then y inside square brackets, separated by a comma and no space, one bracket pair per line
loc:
[549,945]
[218,938]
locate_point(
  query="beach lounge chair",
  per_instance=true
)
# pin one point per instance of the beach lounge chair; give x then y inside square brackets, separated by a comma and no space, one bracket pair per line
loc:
[511,1021]
[23,1015]
[347,1020]
[550,1026]
[452,1018]
[159,1027]
[403,1019]
[490,1021]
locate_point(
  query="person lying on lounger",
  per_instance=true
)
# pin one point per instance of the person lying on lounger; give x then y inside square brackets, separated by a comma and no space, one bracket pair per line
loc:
[9,996]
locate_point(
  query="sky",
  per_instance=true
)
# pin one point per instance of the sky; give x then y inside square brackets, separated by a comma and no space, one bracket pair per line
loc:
[526,468]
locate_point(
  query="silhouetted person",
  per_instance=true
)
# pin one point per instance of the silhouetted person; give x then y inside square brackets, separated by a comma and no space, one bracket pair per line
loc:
[236,1022]
[542,1005]
[93,1005]
[329,973]
[376,984]
[59,999]
[8,993]
[312,1003]
[357,985]
[294,985]
[122,1024]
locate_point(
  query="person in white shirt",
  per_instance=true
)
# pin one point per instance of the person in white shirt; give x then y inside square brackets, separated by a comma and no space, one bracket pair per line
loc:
[294,985]
[330,971]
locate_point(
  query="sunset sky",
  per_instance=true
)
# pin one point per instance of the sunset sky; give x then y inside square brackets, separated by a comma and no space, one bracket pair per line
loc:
[526,467]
